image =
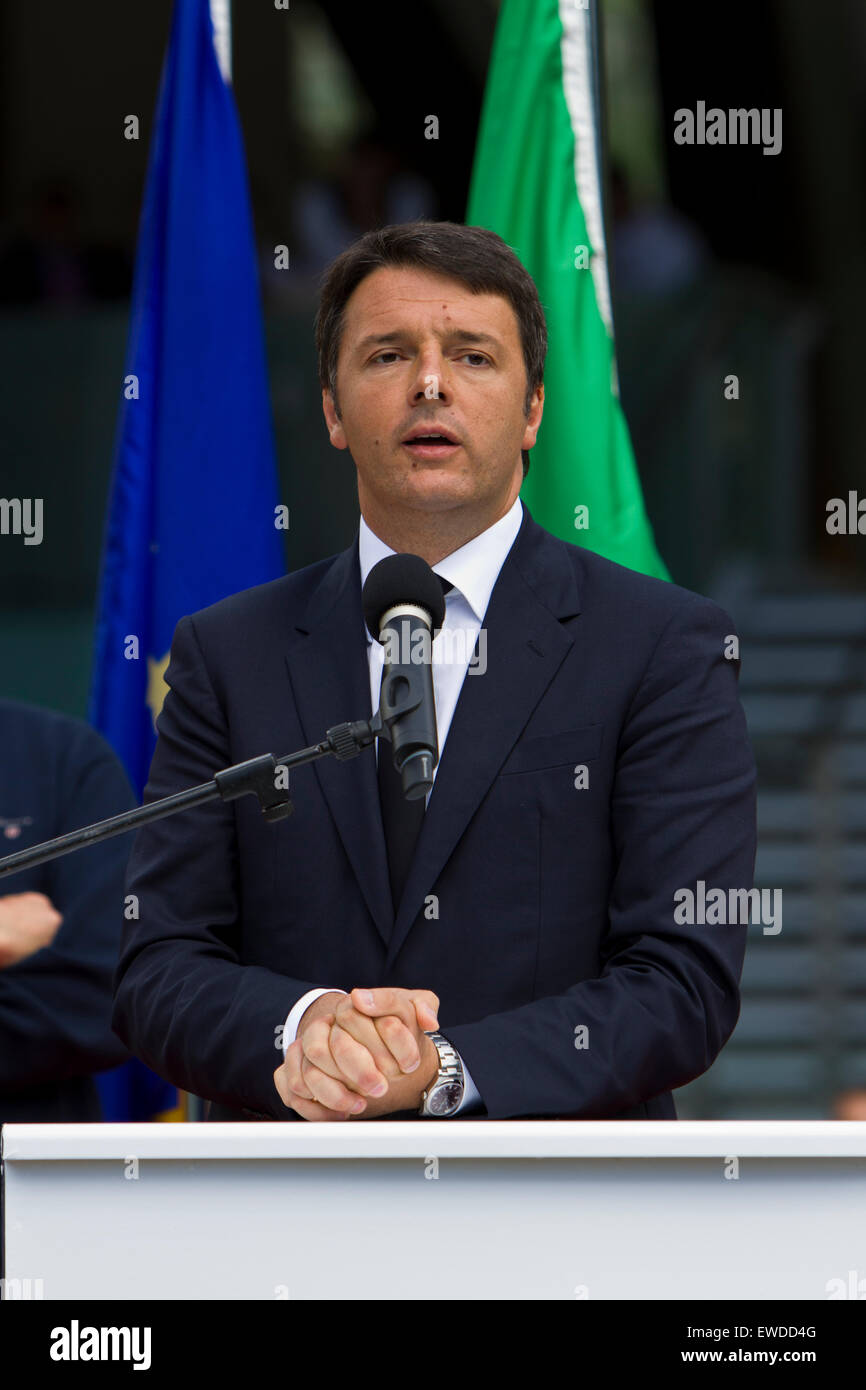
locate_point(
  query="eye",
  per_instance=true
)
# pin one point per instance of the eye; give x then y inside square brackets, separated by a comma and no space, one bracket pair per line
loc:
[479,355]
[387,353]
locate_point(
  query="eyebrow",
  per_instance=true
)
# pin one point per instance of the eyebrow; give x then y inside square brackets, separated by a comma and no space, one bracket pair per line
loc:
[463,335]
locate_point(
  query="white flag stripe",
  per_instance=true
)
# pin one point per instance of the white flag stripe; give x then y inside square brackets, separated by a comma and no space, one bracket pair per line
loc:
[576,51]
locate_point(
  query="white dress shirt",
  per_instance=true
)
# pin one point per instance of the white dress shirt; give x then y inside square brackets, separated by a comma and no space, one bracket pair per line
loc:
[473,571]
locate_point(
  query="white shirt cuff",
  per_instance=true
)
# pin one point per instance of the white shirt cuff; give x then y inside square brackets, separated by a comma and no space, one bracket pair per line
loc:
[290,1027]
[471,1095]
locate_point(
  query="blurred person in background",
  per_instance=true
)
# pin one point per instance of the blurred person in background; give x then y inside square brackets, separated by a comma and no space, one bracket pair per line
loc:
[59,922]
[48,262]
[656,250]
[849,1105]
[372,187]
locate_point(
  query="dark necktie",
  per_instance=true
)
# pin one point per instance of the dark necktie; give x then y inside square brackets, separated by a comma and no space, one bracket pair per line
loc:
[401,819]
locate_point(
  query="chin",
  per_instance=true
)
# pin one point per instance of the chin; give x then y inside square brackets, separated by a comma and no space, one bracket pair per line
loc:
[438,483]
[438,499]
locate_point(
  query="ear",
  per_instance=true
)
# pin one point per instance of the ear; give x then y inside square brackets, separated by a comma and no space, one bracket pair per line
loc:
[533,419]
[332,420]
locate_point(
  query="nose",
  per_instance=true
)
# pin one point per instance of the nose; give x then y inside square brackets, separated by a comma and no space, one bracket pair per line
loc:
[430,381]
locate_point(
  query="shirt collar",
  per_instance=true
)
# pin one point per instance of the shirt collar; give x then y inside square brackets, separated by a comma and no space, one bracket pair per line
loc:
[473,569]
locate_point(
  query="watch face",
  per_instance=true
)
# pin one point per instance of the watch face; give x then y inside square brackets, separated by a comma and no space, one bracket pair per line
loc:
[446,1098]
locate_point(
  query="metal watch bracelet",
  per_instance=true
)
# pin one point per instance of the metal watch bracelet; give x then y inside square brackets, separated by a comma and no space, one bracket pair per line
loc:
[445,1092]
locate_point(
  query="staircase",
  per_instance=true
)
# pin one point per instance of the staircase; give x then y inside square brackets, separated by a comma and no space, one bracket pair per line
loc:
[801,1038]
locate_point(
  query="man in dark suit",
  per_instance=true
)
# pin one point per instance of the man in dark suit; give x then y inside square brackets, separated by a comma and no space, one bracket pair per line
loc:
[59,923]
[594,764]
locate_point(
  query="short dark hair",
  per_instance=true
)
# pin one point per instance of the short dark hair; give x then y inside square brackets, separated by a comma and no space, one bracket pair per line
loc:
[477,257]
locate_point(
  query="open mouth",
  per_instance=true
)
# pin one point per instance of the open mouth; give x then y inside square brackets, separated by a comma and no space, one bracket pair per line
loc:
[431,446]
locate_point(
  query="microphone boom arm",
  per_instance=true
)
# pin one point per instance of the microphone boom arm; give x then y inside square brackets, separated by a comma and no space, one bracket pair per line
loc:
[255,777]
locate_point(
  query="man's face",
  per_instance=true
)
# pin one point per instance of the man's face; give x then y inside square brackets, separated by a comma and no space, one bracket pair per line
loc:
[419,351]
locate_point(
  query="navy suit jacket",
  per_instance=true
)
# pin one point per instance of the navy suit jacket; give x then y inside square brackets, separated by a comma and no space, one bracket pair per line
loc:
[56,774]
[535,908]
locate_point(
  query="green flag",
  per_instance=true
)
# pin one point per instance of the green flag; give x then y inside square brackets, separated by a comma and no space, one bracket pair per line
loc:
[537,182]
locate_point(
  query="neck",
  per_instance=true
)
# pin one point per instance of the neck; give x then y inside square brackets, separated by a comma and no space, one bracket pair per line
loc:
[432,535]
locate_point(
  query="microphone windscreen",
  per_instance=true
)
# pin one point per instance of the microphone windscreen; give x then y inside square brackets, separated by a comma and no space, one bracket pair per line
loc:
[401,579]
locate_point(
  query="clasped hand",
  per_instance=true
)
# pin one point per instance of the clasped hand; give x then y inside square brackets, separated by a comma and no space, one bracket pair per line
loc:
[361,1055]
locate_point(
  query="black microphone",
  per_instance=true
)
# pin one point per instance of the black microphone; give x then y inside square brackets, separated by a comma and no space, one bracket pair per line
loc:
[403,604]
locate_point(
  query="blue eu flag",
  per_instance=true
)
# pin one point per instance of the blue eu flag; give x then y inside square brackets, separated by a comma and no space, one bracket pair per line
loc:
[193,513]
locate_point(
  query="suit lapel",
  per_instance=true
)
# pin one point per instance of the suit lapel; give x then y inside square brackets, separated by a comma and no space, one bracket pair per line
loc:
[329,674]
[526,645]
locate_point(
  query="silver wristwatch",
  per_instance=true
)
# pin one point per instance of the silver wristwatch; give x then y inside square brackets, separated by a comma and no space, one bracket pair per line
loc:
[445,1092]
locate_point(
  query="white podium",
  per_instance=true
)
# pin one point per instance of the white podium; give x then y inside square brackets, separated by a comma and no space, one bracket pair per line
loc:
[459,1210]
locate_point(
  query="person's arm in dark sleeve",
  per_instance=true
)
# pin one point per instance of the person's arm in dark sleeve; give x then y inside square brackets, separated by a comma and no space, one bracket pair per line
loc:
[667,1000]
[55,1005]
[184,1002]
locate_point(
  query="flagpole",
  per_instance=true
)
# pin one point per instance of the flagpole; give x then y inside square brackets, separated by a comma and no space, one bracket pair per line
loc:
[221,18]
